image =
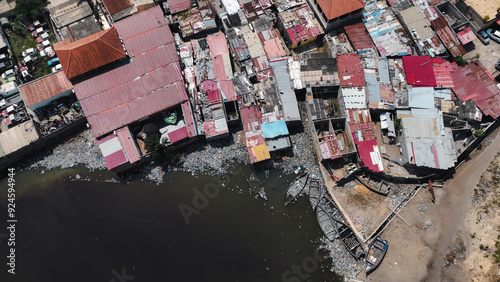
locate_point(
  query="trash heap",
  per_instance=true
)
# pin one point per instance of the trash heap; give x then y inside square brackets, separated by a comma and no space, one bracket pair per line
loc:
[79,150]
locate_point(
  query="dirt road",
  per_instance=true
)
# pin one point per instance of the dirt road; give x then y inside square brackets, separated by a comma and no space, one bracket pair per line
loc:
[418,247]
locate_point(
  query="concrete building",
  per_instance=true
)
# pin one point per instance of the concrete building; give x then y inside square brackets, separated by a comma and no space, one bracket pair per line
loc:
[299,26]
[72,19]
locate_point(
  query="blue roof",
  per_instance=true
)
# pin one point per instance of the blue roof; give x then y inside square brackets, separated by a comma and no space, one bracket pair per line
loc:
[421,97]
[274,129]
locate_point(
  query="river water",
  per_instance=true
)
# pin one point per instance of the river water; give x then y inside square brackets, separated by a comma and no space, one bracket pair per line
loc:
[88,229]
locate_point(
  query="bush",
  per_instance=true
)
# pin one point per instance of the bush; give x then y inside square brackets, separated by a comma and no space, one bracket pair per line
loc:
[486,18]
[159,152]
[479,133]
[461,61]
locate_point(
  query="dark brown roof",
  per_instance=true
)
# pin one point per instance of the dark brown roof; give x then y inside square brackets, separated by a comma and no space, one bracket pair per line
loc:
[44,88]
[89,53]
[115,6]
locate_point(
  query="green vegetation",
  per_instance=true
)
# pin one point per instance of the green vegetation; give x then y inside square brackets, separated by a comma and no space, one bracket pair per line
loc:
[496,255]
[481,247]
[20,40]
[479,133]
[486,18]
[460,61]
[159,152]
[477,56]
[29,9]
[473,235]
[398,125]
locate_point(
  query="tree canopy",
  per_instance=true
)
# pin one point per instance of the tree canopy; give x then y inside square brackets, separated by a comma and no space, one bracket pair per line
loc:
[29,9]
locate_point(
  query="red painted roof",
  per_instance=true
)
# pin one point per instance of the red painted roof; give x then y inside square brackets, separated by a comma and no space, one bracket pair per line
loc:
[337,8]
[219,69]
[128,144]
[359,36]
[227,87]
[115,6]
[178,135]
[89,53]
[465,36]
[475,82]
[419,71]
[144,32]
[44,88]
[365,149]
[188,118]
[217,44]
[176,6]
[442,71]
[150,83]
[350,70]
[273,48]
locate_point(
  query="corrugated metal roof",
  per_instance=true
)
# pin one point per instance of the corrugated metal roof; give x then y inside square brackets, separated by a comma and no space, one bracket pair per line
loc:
[112,151]
[44,88]
[465,36]
[274,129]
[421,97]
[419,71]
[137,89]
[141,23]
[128,144]
[189,119]
[115,6]
[359,36]
[274,48]
[447,35]
[475,81]
[369,154]
[425,141]
[89,53]
[386,31]
[176,6]
[336,8]
[373,87]
[350,70]
[360,123]
[217,44]
[287,95]
[300,23]
[442,71]
[227,88]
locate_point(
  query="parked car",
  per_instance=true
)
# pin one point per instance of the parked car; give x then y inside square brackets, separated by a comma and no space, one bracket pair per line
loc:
[58,67]
[47,52]
[45,43]
[9,73]
[497,65]
[44,36]
[5,65]
[28,60]
[53,61]
[494,34]
[29,52]
[4,57]
[483,36]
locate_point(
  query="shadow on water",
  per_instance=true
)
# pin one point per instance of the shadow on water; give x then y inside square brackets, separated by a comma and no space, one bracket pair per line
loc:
[91,230]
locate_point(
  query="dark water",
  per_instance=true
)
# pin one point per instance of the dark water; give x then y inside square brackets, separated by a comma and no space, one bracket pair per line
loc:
[97,231]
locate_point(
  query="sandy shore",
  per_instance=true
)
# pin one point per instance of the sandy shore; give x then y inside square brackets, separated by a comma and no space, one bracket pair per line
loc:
[440,242]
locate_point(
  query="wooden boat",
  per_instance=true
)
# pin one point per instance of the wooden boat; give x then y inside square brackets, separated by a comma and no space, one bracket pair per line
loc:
[380,187]
[326,222]
[296,188]
[315,192]
[350,240]
[376,253]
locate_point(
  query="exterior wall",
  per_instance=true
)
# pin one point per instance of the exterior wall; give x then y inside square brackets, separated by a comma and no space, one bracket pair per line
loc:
[301,43]
[329,25]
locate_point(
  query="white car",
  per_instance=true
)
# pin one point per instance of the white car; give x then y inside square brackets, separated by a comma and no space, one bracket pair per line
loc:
[57,68]
[44,36]
[28,59]
[47,52]
[29,52]
[9,73]
[45,43]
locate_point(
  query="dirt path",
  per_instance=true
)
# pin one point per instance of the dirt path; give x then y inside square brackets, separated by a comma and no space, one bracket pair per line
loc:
[417,249]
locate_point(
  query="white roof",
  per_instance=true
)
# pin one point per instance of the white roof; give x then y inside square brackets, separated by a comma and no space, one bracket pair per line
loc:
[354,97]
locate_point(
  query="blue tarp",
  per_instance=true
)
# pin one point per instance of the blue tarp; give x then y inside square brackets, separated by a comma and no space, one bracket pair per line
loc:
[274,129]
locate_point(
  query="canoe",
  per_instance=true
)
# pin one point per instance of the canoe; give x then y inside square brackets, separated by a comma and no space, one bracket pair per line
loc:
[376,253]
